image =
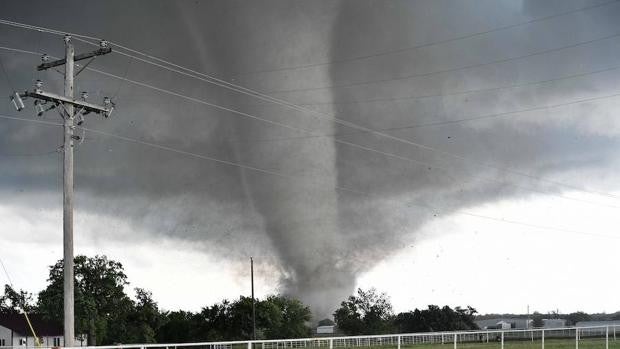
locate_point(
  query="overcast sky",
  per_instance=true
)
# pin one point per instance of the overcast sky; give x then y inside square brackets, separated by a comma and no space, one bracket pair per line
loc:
[493,182]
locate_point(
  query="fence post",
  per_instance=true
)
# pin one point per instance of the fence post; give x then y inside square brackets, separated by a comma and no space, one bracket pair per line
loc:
[502,339]
[455,337]
[542,337]
[576,338]
[442,340]
[607,337]
[249,345]
[487,336]
[331,343]
[399,342]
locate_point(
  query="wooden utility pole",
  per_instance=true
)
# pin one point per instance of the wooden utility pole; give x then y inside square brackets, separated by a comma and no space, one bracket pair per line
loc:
[67,106]
[67,198]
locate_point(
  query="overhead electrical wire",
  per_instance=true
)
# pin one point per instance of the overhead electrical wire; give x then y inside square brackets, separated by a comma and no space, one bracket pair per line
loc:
[456,121]
[29,154]
[402,158]
[293,177]
[466,92]
[438,72]
[426,45]
[358,127]
[218,82]
[37,340]
[299,129]
[6,74]
[355,145]
[366,56]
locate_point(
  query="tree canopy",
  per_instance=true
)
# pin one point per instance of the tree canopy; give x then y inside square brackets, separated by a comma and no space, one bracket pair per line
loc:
[103,310]
[14,302]
[436,319]
[107,314]
[367,312]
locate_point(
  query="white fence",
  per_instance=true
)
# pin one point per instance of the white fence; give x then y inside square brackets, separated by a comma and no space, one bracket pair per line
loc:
[595,337]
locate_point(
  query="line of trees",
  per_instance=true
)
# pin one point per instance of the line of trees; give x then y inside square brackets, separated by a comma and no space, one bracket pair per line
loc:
[370,312]
[108,315]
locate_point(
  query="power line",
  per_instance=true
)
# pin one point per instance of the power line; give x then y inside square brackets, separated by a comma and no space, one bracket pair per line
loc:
[449,70]
[365,130]
[256,94]
[120,85]
[454,121]
[6,272]
[8,79]
[29,154]
[355,145]
[22,307]
[415,47]
[466,92]
[426,45]
[473,118]
[357,58]
[207,78]
[374,132]
[287,176]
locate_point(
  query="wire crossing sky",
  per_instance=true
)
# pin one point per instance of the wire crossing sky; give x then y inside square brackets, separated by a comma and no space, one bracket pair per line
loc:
[495,132]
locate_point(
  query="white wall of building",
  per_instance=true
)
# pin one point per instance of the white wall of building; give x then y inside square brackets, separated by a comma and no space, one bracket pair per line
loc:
[5,335]
[16,340]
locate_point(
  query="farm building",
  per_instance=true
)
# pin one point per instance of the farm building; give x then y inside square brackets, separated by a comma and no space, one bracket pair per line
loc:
[554,323]
[504,323]
[325,330]
[15,332]
[615,323]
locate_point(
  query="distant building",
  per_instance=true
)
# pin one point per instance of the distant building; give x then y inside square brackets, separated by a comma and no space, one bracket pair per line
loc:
[504,323]
[598,323]
[554,323]
[15,332]
[326,330]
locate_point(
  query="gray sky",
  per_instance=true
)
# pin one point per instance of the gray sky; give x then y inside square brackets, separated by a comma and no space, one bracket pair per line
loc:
[516,205]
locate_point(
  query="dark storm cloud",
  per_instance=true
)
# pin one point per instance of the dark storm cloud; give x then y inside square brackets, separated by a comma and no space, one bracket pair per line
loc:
[321,238]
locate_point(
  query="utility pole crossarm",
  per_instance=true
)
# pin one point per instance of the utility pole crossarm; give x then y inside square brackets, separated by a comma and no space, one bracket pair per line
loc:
[56,98]
[99,52]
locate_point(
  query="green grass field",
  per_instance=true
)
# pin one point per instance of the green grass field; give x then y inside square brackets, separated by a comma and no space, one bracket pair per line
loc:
[589,343]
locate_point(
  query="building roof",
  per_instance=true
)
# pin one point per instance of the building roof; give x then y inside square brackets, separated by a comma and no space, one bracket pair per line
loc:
[518,322]
[17,323]
[598,323]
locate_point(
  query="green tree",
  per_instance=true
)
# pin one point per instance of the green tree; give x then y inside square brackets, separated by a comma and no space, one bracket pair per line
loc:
[282,317]
[276,317]
[436,319]
[13,302]
[102,309]
[176,327]
[537,320]
[574,318]
[368,312]
[144,320]
[326,322]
